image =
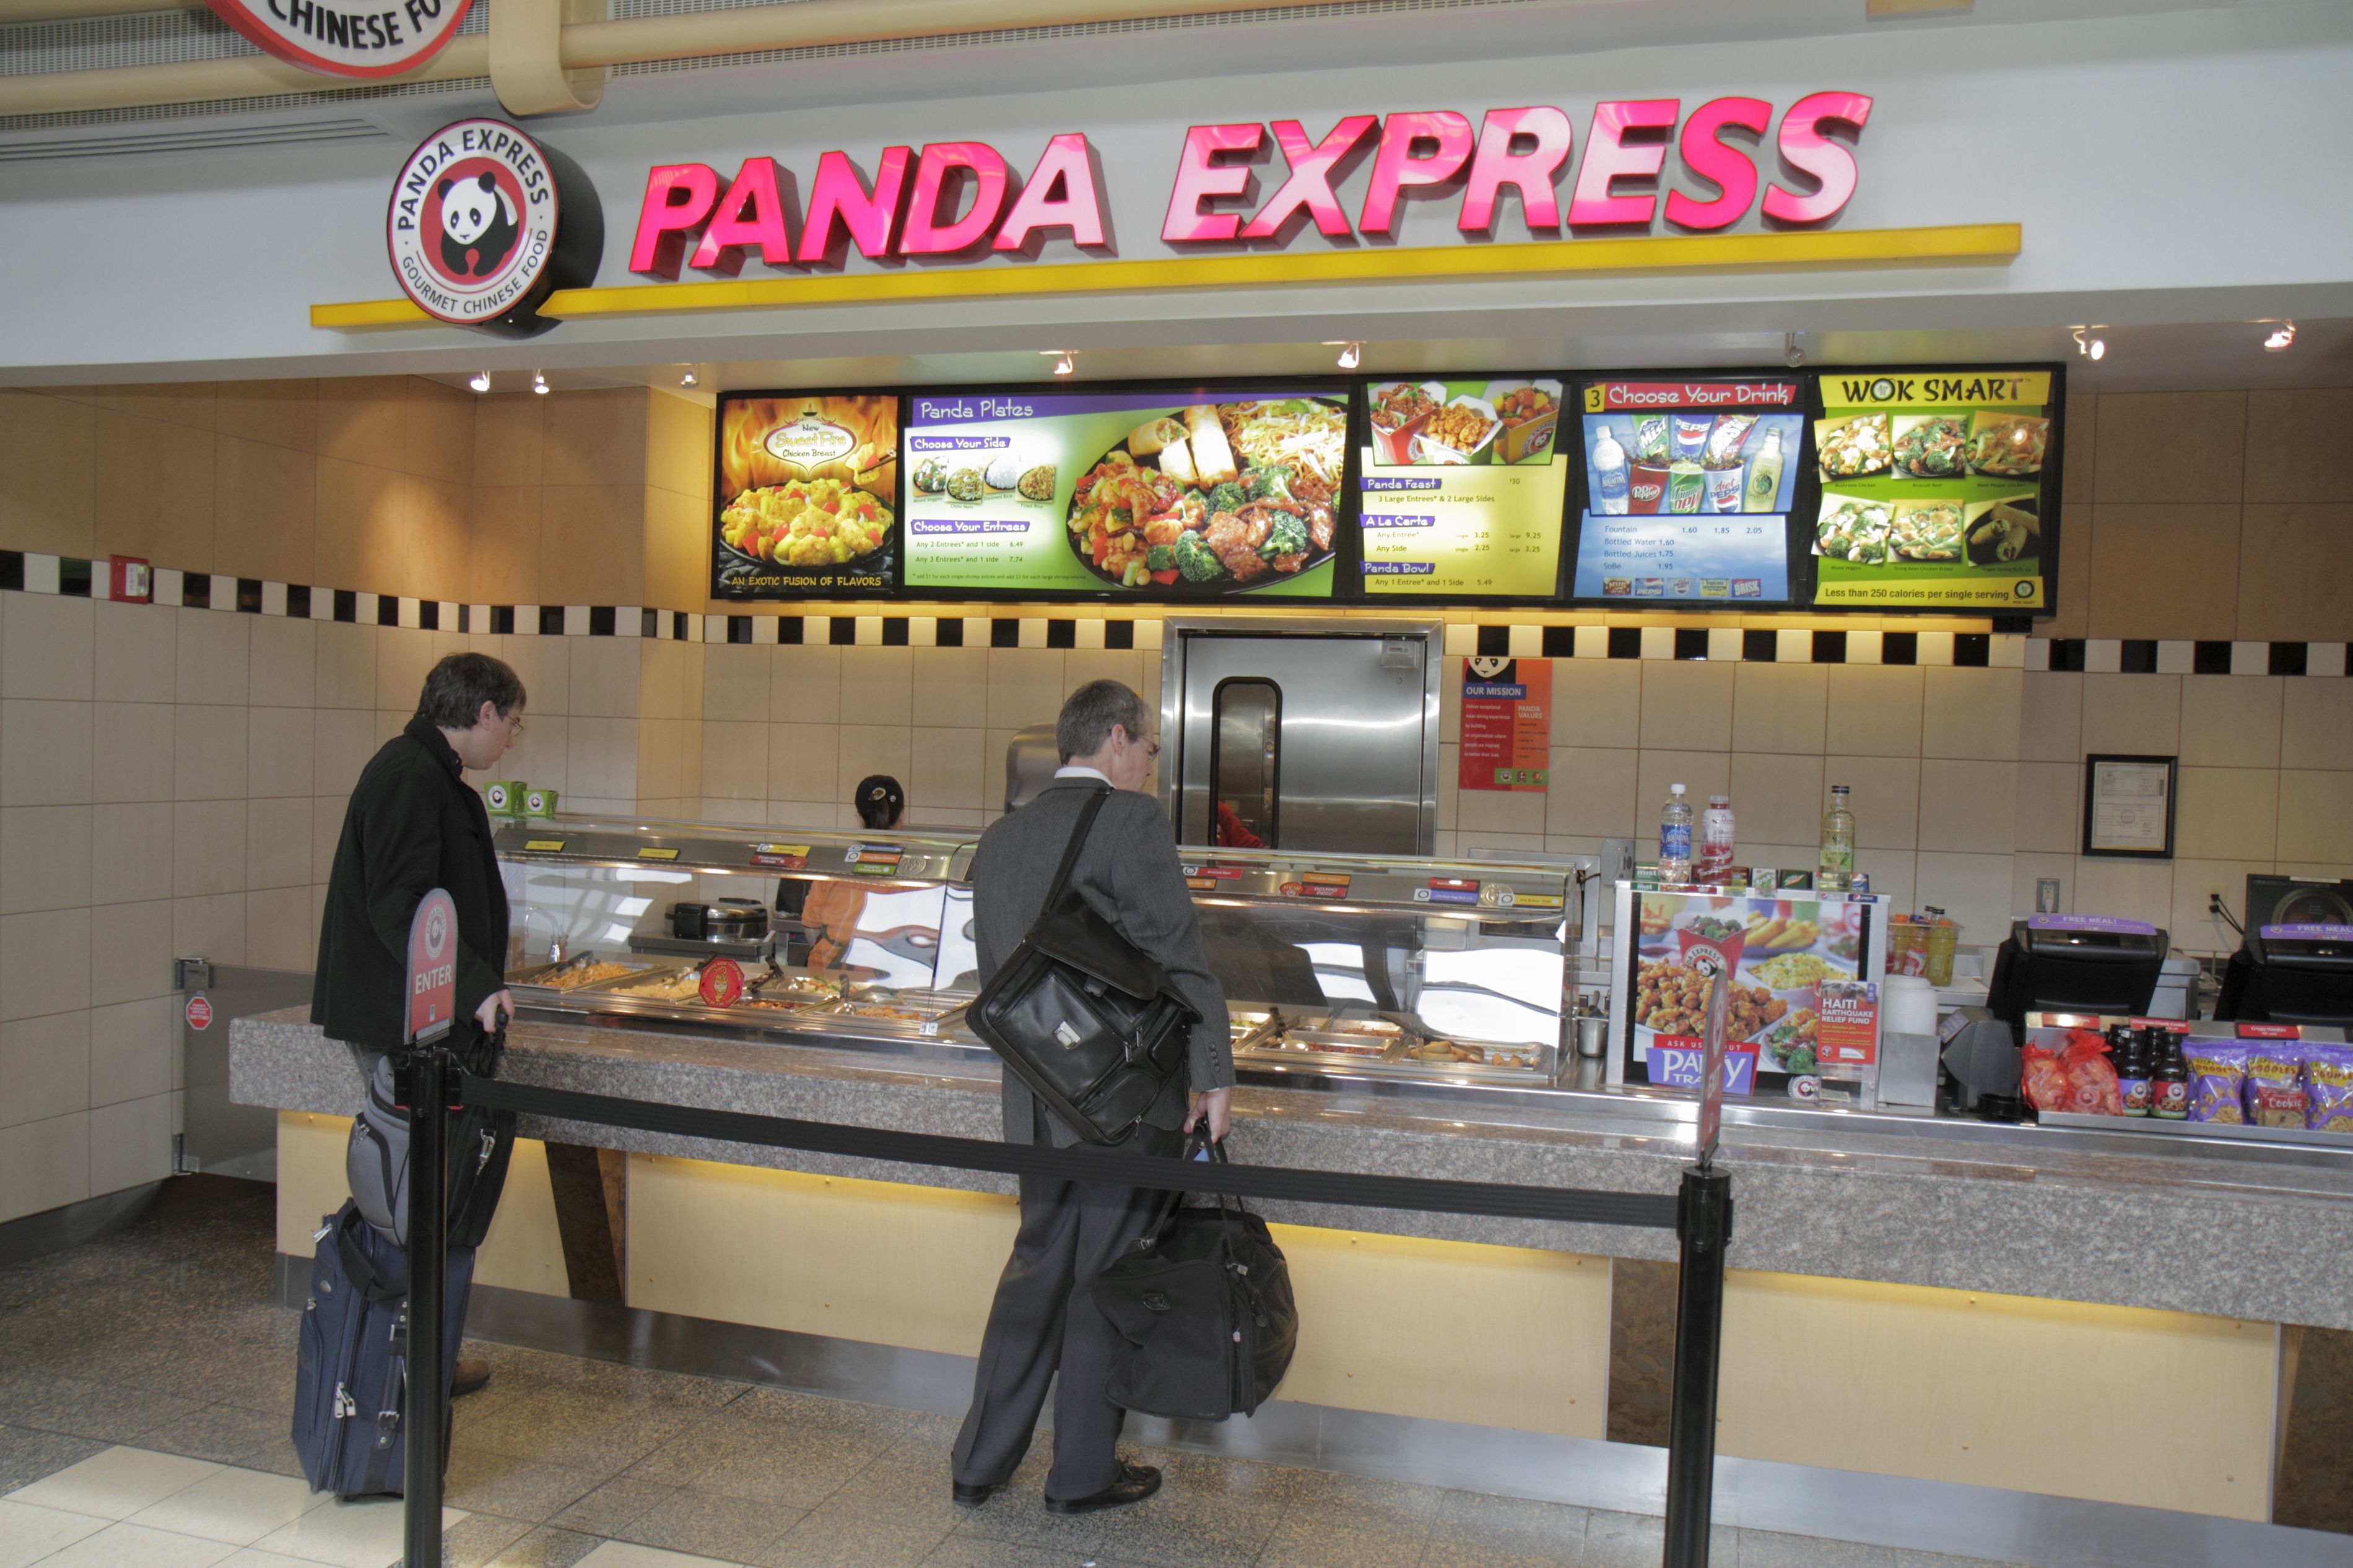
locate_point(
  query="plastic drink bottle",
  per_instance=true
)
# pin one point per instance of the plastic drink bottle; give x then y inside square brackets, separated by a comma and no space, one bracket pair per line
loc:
[1608,475]
[1715,847]
[1836,869]
[1675,838]
[1764,475]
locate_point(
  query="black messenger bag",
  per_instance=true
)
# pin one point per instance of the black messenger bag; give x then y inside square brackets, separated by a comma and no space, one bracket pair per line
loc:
[1081,1016]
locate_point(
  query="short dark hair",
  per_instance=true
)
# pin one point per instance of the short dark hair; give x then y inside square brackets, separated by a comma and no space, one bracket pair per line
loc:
[458,686]
[1089,713]
[877,800]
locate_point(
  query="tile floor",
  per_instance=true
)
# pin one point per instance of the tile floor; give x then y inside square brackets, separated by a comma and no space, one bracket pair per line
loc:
[144,1381]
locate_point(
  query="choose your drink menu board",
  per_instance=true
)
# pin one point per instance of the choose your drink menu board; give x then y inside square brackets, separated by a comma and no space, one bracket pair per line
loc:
[1934,490]
[1688,490]
[806,495]
[1463,489]
[1167,495]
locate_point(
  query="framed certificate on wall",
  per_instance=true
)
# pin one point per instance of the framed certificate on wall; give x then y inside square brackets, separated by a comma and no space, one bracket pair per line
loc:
[2128,806]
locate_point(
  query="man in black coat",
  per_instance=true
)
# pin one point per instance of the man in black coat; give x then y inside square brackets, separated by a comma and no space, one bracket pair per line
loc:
[414,824]
[1044,1319]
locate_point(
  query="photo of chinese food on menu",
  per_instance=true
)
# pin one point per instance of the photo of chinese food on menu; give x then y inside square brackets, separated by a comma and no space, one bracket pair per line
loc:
[1933,490]
[806,495]
[1688,487]
[1784,950]
[1438,515]
[1165,495]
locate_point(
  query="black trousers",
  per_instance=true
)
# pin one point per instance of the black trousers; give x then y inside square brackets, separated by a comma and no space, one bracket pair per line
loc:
[1044,1321]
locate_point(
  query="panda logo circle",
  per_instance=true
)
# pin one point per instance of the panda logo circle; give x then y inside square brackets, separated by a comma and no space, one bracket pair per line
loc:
[472,225]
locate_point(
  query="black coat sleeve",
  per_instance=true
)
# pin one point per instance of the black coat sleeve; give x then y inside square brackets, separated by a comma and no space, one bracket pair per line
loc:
[401,852]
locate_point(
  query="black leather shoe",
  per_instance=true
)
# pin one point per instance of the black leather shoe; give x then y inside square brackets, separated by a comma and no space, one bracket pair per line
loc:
[968,1494]
[469,1379]
[1135,1483]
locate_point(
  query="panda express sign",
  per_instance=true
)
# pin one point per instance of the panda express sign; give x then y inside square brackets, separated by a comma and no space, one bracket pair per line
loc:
[485,223]
[346,38]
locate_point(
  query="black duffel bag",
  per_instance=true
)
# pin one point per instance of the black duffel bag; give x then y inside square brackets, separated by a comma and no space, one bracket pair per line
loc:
[1203,1299]
[1083,1016]
[480,1145]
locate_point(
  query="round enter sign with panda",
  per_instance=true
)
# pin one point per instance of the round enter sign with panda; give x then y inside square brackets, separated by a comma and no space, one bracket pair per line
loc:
[485,223]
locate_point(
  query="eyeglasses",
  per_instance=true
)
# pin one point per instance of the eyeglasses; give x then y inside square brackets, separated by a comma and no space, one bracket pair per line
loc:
[514,728]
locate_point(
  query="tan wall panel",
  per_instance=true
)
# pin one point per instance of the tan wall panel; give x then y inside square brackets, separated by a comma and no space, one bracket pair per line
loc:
[2001,1391]
[522,1252]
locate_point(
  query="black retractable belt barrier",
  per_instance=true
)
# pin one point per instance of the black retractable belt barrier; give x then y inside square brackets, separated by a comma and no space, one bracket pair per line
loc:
[1696,1329]
[429,1085]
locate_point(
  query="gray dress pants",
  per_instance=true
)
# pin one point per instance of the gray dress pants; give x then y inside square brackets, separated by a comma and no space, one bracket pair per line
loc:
[1044,1319]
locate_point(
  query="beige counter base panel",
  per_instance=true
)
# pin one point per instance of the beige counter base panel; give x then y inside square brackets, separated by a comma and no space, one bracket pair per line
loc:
[2111,1403]
[1497,1336]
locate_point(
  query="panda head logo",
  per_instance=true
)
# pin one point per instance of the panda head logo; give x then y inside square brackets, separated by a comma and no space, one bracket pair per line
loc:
[478,225]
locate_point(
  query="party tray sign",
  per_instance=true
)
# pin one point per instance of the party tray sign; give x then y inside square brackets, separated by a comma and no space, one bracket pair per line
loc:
[1939,489]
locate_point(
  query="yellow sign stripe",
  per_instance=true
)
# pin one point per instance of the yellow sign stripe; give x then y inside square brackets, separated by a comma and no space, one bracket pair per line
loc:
[1956,244]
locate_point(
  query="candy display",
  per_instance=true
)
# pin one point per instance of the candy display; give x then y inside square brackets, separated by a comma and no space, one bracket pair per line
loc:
[2328,1088]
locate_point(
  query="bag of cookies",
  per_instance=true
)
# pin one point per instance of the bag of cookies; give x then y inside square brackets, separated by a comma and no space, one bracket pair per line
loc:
[2274,1087]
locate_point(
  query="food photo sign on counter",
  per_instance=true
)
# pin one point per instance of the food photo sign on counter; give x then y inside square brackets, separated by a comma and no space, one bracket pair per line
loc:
[806,495]
[1463,488]
[1939,489]
[1173,495]
[1689,484]
[1784,950]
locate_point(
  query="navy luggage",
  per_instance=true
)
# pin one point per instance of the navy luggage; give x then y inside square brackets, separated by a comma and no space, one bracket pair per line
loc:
[350,1389]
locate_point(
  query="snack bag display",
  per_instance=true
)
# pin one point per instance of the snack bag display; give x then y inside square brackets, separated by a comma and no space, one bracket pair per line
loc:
[2274,1087]
[2218,1075]
[2328,1088]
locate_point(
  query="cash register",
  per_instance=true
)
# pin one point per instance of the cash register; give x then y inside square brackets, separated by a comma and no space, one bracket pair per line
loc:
[2294,972]
[2084,964]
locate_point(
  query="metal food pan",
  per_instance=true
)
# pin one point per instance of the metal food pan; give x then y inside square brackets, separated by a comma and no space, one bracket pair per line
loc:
[542,977]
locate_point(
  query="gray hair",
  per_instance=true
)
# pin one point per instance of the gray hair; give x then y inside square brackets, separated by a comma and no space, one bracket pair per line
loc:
[1089,713]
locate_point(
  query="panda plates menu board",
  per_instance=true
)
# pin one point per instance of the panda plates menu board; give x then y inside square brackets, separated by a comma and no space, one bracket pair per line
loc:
[1688,488]
[1938,489]
[1185,494]
[1463,489]
[806,495]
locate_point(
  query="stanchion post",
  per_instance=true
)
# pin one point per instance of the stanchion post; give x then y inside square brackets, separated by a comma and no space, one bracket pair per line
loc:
[428,1293]
[1703,1221]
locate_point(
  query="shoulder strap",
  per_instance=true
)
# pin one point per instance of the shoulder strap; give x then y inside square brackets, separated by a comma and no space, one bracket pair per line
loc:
[1087,814]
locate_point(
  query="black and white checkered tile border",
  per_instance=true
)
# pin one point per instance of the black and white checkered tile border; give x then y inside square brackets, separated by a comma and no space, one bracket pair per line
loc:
[38,574]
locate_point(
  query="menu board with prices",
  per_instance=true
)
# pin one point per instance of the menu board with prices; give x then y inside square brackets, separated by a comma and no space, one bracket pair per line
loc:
[1463,489]
[1689,485]
[1184,495]
[1939,488]
[807,495]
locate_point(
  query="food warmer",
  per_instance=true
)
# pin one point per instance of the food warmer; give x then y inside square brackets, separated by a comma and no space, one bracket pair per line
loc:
[1338,969]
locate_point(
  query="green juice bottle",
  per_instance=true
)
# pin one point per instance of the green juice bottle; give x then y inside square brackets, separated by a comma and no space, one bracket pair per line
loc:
[1763,475]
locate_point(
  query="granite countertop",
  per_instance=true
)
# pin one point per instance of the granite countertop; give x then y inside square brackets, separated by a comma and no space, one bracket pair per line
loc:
[2263,1239]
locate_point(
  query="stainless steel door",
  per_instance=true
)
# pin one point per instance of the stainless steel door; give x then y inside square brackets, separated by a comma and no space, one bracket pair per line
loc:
[221,1136]
[1311,735]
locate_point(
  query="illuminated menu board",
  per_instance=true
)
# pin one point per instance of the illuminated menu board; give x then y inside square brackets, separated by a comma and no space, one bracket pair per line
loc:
[806,495]
[1938,489]
[1688,490]
[1165,495]
[1463,489]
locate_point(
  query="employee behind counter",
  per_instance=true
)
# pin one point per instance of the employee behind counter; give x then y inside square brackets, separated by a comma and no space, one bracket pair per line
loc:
[816,920]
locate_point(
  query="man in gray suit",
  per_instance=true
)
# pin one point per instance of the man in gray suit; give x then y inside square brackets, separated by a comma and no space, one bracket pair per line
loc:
[1044,1318]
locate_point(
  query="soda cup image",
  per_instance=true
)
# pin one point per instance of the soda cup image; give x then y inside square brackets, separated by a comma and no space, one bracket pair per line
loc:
[1646,490]
[1724,488]
[1686,487]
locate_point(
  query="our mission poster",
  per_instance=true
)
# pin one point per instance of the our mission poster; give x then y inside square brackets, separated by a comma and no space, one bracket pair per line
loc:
[1162,495]
[1937,489]
[806,495]
[1463,489]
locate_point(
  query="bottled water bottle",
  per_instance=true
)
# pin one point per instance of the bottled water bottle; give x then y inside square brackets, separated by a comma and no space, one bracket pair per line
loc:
[1836,872]
[1716,848]
[1675,838]
[1608,475]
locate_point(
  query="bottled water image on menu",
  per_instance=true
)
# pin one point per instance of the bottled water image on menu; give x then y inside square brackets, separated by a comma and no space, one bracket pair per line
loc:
[1675,838]
[1608,475]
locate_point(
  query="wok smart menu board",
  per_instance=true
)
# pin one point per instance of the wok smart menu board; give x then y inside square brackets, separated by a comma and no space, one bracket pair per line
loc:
[1462,488]
[1939,488]
[1688,488]
[806,495]
[1170,494]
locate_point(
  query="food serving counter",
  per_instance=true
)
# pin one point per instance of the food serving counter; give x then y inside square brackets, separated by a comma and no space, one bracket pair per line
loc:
[2051,1293]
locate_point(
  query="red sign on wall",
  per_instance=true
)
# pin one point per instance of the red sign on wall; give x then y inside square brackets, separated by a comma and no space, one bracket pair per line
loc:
[200,1013]
[1506,724]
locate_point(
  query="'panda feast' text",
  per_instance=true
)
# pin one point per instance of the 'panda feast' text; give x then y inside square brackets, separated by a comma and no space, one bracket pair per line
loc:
[473,142]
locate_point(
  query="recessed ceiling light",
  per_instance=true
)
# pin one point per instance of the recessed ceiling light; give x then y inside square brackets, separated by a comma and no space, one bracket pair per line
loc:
[690,378]
[2282,336]
[479,380]
[539,382]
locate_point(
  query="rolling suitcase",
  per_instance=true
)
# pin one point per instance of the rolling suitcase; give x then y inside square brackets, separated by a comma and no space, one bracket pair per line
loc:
[350,1387]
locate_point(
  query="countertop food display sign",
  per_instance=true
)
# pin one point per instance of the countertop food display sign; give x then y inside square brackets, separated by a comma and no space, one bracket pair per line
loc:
[806,495]
[1507,723]
[1783,950]
[1688,488]
[1463,489]
[1939,489]
[1167,495]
